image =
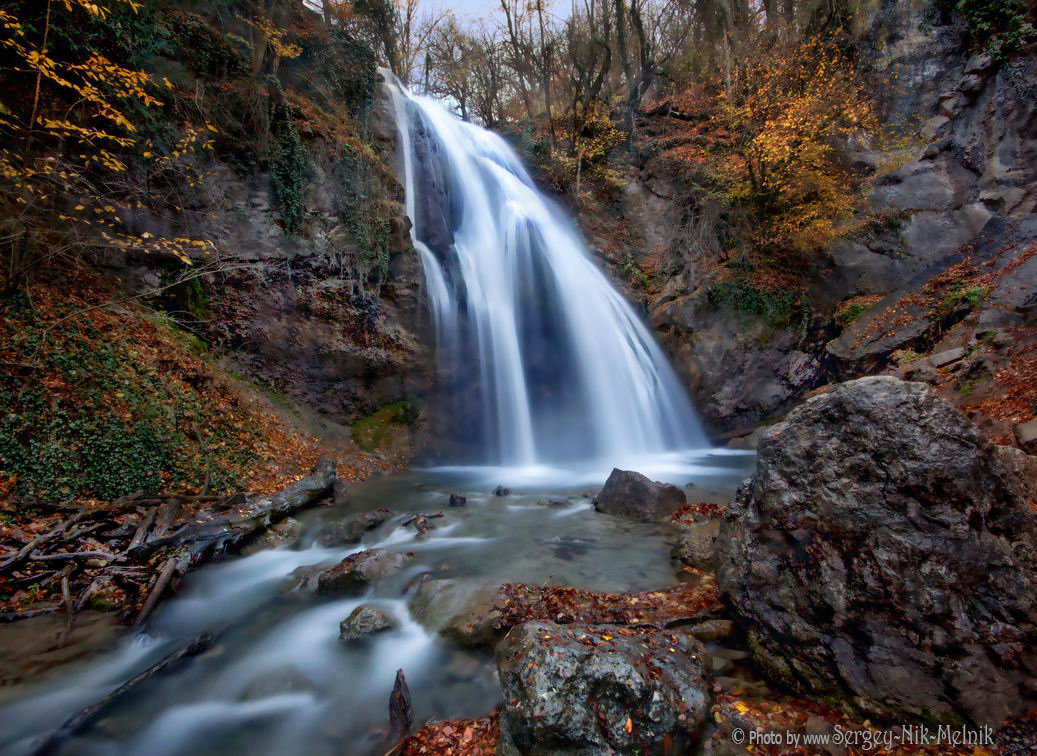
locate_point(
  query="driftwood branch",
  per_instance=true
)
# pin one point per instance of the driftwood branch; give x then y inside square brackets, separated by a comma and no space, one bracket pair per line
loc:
[420,516]
[65,555]
[401,718]
[13,616]
[76,724]
[168,570]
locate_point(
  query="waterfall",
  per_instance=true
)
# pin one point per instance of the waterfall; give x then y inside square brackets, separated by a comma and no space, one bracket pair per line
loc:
[544,360]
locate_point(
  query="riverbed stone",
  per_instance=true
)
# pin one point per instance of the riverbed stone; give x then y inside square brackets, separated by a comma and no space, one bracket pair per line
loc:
[366,620]
[461,610]
[278,681]
[886,549]
[351,529]
[635,496]
[587,689]
[356,573]
[302,581]
[1026,436]
[696,545]
[284,533]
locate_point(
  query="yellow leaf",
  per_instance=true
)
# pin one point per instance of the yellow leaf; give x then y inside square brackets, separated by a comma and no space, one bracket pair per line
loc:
[630,725]
[741,707]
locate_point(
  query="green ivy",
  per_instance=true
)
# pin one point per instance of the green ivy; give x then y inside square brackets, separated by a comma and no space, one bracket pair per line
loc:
[999,27]
[117,428]
[203,49]
[778,308]
[361,193]
[288,167]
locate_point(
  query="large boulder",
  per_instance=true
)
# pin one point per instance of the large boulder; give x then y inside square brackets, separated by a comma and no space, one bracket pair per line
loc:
[631,494]
[355,574]
[593,689]
[886,550]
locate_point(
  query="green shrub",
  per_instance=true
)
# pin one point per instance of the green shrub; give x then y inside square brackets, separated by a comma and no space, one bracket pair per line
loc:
[778,308]
[203,49]
[999,27]
[363,195]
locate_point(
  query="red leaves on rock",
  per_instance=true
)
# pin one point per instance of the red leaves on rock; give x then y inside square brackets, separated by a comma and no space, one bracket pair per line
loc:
[702,510]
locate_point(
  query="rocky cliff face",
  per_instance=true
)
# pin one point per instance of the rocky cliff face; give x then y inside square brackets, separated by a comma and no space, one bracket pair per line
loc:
[328,317]
[966,181]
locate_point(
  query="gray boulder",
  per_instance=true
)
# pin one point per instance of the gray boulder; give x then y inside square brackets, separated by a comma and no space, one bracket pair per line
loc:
[351,529]
[365,620]
[356,573]
[631,494]
[463,611]
[573,689]
[885,549]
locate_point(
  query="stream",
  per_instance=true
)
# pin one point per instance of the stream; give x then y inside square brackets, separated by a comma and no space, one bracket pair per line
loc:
[278,679]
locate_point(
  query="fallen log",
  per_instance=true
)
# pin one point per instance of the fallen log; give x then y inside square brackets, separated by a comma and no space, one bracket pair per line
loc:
[64,555]
[39,540]
[199,543]
[79,722]
[142,529]
[14,616]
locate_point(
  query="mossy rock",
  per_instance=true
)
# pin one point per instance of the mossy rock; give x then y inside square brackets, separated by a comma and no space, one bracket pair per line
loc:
[388,430]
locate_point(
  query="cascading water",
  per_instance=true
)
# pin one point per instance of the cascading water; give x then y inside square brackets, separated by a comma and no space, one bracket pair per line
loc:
[531,335]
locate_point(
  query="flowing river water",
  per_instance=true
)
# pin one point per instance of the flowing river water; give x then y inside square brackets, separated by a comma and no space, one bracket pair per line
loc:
[279,681]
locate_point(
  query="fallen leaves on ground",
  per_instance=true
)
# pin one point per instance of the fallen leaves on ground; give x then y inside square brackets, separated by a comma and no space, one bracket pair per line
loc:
[456,737]
[564,605]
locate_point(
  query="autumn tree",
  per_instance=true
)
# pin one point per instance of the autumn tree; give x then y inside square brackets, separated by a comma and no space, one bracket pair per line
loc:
[791,107]
[64,174]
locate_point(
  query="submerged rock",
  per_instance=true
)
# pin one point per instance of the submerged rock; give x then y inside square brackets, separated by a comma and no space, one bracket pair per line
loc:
[456,500]
[284,533]
[278,681]
[885,548]
[351,529]
[587,689]
[461,610]
[355,573]
[501,491]
[302,581]
[631,494]
[365,620]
